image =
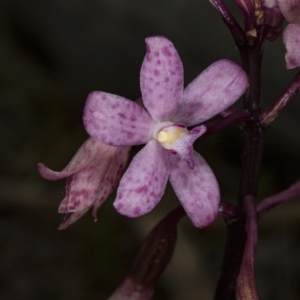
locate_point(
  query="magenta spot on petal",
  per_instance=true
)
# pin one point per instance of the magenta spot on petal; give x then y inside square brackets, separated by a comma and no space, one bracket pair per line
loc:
[158,62]
[133,118]
[167,79]
[122,115]
[166,51]
[179,82]
[96,126]
[156,72]
[119,206]
[104,97]
[137,211]
[210,196]
[142,189]
[172,152]
[129,135]
[152,194]
[160,96]
[156,53]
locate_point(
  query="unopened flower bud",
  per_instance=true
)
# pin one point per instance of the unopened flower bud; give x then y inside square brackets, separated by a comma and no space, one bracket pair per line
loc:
[152,260]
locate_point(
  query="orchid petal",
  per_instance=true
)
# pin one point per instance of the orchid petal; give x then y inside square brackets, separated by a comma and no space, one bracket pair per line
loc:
[144,182]
[290,9]
[161,78]
[82,158]
[214,90]
[184,146]
[84,186]
[115,120]
[197,189]
[71,218]
[63,207]
[112,177]
[291,40]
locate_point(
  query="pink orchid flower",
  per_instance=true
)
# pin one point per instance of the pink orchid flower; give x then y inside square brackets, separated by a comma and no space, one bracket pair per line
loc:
[291,40]
[291,35]
[290,10]
[92,175]
[162,126]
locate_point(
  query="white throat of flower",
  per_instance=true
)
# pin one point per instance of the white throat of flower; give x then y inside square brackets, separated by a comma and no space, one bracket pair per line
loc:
[170,134]
[177,139]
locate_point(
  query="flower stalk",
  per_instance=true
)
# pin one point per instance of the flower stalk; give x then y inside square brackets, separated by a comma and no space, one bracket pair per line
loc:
[246,286]
[235,28]
[268,203]
[152,259]
[253,142]
[237,117]
[271,113]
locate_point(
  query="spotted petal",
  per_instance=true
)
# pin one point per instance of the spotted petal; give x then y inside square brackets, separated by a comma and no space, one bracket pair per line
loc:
[86,185]
[291,39]
[197,189]
[290,9]
[82,158]
[161,78]
[71,218]
[112,177]
[184,146]
[144,182]
[115,120]
[214,90]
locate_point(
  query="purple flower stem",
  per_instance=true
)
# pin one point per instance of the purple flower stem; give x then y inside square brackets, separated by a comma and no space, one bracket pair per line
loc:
[235,28]
[253,142]
[233,254]
[234,118]
[157,250]
[246,286]
[271,112]
[274,200]
[251,56]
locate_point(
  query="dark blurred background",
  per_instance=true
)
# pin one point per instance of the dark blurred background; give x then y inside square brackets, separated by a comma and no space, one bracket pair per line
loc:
[52,54]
